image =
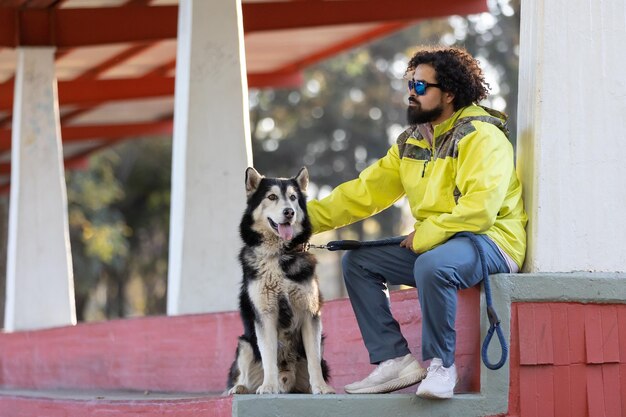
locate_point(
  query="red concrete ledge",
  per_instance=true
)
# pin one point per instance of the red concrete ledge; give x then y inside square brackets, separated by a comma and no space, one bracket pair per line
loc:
[102,404]
[568,359]
[193,353]
[184,353]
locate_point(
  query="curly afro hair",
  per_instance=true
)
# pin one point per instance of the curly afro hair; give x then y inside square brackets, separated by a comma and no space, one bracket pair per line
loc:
[457,71]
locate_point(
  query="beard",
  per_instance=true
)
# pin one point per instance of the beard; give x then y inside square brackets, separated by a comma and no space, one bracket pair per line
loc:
[415,115]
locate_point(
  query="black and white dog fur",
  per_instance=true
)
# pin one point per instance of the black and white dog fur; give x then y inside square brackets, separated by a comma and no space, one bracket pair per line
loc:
[280,302]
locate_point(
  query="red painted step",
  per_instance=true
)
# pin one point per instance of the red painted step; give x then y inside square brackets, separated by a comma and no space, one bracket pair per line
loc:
[193,353]
[24,403]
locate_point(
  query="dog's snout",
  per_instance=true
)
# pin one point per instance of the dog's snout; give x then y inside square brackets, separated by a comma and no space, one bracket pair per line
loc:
[288,212]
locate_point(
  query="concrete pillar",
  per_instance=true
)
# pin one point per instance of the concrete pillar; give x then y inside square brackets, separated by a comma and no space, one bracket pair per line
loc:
[40,287]
[211,151]
[572,134]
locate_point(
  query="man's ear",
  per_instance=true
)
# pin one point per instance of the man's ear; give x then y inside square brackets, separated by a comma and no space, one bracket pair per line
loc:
[303,178]
[253,179]
[448,97]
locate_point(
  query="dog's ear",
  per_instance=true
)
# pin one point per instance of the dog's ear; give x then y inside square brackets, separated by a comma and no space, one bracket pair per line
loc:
[253,179]
[303,178]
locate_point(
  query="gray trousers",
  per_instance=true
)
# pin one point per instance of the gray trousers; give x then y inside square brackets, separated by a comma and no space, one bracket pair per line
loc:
[437,275]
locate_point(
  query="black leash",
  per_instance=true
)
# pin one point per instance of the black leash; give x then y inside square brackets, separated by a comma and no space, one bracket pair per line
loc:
[355,244]
[494,321]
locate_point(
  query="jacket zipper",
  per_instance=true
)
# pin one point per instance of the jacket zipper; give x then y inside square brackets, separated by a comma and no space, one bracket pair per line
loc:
[427,161]
[432,152]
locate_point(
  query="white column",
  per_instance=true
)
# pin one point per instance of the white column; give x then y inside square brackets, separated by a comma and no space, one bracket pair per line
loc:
[572,134]
[40,287]
[211,151]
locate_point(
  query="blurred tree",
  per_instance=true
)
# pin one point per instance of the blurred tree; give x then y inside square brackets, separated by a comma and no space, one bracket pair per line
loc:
[119,223]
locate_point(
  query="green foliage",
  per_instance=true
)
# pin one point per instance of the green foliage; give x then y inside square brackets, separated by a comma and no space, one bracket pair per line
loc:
[91,195]
[119,221]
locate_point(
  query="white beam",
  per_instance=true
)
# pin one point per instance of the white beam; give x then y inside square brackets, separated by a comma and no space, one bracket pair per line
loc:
[572,134]
[40,287]
[211,151]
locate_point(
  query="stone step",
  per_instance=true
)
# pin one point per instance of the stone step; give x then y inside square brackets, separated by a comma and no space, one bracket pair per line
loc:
[107,403]
[74,403]
[376,405]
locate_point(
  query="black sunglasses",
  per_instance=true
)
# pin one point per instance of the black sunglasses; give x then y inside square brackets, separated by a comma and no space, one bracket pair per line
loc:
[421,86]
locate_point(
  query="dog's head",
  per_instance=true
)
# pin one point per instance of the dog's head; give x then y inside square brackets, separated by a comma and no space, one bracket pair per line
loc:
[277,206]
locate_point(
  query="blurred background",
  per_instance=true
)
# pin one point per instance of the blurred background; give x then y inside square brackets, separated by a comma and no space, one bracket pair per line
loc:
[345,115]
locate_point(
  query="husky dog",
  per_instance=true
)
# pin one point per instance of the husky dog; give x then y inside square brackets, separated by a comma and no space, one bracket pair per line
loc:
[281,348]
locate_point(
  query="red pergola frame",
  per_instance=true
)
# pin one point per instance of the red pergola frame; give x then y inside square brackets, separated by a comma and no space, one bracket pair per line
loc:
[43,23]
[67,28]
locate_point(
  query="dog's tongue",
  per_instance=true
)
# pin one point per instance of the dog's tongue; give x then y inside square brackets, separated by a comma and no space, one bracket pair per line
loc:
[285,231]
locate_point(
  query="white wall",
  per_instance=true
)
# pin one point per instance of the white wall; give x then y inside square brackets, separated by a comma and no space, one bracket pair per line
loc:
[572,134]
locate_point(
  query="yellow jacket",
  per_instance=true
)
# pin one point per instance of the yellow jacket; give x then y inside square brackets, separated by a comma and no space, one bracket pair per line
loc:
[465,181]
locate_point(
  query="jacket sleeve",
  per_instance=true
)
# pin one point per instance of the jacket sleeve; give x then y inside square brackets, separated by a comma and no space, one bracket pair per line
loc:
[377,187]
[484,166]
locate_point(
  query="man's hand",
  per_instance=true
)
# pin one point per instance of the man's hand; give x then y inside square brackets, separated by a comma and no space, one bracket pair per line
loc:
[408,242]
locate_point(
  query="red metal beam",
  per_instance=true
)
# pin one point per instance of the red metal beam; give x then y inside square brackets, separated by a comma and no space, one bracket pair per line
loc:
[42,4]
[93,92]
[5,168]
[97,26]
[278,79]
[107,132]
[83,27]
[78,133]
[302,14]
[12,3]
[138,2]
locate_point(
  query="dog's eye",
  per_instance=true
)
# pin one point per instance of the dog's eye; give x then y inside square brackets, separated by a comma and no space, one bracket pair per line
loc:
[293,197]
[273,197]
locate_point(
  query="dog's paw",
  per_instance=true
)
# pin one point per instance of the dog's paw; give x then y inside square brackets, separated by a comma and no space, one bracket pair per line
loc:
[269,388]
[238,389]
[322,389]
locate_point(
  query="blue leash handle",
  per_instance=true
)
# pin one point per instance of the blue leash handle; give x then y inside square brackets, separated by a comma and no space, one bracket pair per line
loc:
[494,321]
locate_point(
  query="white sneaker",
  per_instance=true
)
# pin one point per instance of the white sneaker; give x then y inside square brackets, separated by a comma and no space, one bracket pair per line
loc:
[440,381]
[390,375]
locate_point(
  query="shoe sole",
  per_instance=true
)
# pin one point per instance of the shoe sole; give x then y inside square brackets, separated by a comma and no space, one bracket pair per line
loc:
[432,396]
[393,385]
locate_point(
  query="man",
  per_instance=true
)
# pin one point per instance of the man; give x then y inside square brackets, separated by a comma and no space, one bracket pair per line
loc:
[456,167]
